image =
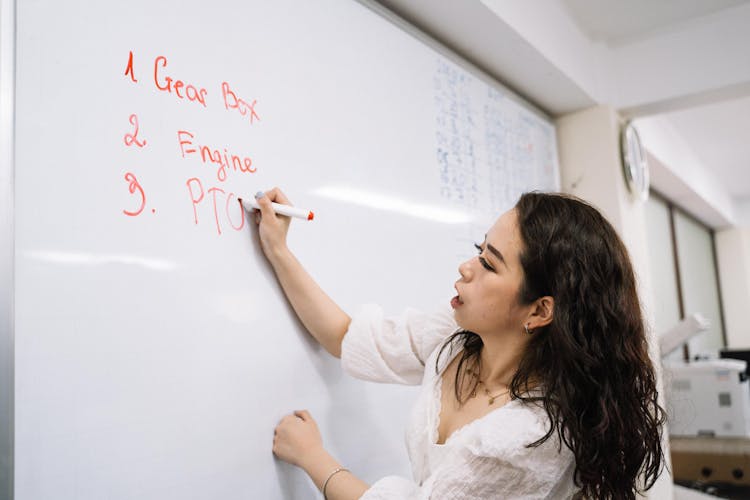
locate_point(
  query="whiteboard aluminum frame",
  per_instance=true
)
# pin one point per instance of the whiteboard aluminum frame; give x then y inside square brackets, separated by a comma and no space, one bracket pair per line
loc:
[7,248]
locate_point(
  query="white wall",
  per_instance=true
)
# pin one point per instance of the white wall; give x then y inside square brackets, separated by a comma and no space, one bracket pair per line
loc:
[742,209]
[590,168]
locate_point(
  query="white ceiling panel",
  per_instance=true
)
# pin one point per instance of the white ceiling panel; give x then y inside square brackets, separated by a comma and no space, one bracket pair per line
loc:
[616,21]
[719,135]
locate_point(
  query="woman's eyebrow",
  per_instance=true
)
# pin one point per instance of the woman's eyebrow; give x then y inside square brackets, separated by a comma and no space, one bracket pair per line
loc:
[495,252]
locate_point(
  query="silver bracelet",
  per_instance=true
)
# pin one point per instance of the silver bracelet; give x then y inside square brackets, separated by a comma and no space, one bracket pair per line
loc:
[340,469]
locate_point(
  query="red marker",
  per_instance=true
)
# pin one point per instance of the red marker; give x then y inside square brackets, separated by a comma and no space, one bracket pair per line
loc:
[279,209]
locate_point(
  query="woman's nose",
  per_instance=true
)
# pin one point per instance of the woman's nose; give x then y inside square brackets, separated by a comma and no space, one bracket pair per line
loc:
[465,270]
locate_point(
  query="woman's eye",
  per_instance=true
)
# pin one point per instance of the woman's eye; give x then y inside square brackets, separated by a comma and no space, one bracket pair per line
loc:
[484,263]
[482,260]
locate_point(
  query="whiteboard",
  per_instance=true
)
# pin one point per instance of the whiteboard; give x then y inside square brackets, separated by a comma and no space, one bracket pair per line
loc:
[154,350]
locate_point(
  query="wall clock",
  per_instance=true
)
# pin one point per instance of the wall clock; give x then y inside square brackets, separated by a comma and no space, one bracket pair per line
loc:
[634,163]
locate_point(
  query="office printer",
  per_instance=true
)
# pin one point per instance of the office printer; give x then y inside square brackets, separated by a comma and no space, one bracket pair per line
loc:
[708,398]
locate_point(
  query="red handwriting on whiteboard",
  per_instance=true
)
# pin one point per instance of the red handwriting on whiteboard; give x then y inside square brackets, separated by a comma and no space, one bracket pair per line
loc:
[168,84]
[197,195]
[242,212]
[223,159]
[129,68]
[133,187]
[131,139]
[231,101]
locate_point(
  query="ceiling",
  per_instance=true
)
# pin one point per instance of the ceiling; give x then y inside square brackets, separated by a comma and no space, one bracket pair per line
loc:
[684,62]
[719,135]
[717,132]
[617,22]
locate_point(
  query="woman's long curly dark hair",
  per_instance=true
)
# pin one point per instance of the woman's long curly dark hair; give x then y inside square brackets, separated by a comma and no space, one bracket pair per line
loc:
[592,360]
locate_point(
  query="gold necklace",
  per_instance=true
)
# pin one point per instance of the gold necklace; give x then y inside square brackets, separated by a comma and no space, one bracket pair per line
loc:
[486,390]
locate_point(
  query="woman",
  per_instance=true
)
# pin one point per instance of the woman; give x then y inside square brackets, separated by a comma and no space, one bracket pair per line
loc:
[538,385]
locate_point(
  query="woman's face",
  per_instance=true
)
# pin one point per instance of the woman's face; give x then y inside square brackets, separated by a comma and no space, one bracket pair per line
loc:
[488,290]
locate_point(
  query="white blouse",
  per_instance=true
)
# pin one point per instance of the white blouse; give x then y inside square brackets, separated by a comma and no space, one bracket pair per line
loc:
[485,459]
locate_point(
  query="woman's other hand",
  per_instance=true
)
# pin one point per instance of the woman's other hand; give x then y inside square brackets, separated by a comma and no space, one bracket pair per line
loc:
[296,439]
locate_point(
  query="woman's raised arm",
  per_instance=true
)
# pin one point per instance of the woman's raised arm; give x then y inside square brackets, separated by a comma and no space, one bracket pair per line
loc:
[322,317]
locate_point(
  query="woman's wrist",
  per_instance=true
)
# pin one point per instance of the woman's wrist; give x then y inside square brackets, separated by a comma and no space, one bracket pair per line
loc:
[341,482]
[278,254]
[317,460]
[319,464]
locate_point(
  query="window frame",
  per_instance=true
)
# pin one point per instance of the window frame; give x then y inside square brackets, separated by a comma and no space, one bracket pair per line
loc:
[672,209]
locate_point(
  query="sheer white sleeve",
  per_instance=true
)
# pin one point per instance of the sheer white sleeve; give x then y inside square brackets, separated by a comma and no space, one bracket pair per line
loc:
[393,349]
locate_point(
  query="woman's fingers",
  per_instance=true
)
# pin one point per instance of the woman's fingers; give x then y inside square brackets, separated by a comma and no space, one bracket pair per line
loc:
[264,202]
[303,414]
[296,436]
[272,228]
[297,416]
[276,195]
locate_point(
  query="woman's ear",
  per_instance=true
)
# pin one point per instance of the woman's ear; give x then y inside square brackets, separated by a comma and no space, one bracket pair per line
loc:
[542,312]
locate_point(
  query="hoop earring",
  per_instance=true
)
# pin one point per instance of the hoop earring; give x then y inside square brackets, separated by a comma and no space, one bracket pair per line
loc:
[528,332]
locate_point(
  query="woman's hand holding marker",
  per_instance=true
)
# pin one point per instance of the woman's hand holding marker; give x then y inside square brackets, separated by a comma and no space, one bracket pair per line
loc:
[280,209]
[272,228]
